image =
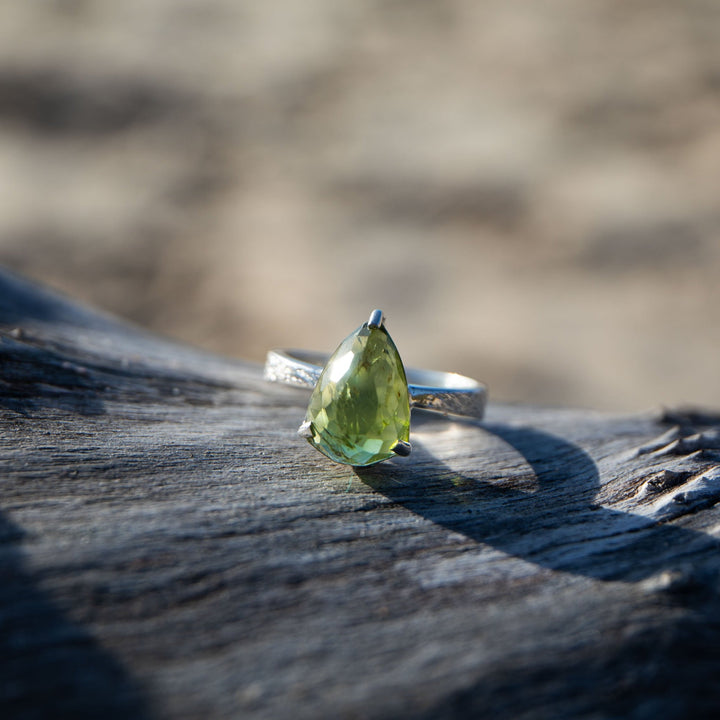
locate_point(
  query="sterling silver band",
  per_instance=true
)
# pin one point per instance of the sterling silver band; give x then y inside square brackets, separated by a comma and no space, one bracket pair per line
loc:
[443,392]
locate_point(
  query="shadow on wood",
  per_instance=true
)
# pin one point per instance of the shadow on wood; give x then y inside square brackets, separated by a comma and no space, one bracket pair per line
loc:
[49,665]
[557,524]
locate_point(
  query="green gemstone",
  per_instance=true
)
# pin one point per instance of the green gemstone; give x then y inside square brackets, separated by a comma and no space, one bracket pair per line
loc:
[360,408]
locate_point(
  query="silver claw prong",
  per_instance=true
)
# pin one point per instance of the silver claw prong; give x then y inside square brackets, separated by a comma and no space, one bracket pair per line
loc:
[304,430]
[376,319]
[402,448]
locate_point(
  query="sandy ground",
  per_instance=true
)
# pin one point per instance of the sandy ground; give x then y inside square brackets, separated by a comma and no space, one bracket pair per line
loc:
[529,189]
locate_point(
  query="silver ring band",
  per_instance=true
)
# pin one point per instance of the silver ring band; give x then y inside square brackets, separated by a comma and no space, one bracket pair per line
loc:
[443,392]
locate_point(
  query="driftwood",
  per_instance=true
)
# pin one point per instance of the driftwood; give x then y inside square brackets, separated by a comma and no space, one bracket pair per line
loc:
[170,548]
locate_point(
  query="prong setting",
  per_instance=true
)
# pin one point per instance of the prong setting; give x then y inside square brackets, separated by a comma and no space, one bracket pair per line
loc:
[402,448]
[376,319]
[305,430]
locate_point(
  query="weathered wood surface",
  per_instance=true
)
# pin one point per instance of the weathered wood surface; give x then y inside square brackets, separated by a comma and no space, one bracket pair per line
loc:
[170,548]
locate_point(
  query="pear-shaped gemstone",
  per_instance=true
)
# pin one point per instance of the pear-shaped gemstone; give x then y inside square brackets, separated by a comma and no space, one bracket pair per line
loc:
[360,408]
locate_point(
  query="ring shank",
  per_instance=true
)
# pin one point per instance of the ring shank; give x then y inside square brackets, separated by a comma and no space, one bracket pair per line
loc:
[443,392]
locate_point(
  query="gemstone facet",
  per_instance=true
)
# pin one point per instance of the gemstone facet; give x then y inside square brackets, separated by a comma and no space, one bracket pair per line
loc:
[360,408]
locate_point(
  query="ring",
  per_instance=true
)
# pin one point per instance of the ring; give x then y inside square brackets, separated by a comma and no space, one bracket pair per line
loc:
[359,410]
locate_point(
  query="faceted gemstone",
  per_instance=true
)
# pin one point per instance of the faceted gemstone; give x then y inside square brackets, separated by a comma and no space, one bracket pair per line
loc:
[360,407]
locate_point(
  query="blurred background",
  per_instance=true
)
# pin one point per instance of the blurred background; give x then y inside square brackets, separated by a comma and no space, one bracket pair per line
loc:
[530,189]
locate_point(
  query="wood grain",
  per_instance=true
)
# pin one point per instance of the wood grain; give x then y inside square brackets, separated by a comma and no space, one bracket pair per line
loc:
[170,548]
